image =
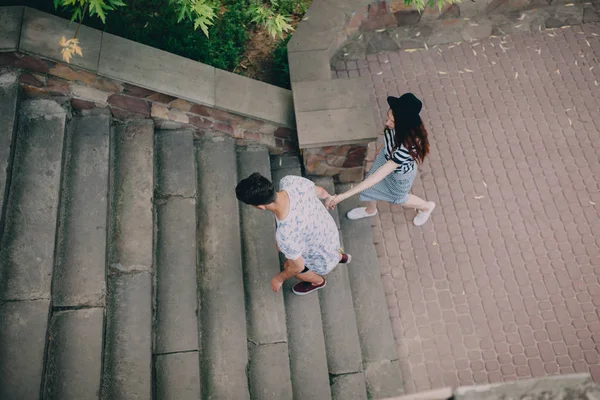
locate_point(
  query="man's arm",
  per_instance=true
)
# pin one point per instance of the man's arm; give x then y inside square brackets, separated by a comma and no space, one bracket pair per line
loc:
[321,193]
[290,268]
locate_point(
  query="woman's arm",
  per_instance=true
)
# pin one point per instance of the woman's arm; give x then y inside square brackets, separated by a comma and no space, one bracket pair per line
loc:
[372,180]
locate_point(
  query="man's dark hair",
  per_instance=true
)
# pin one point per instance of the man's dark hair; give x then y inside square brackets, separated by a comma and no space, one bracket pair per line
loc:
[255,190]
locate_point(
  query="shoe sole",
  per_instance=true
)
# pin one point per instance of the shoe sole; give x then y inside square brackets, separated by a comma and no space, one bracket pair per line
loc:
[312,291]
[361,217]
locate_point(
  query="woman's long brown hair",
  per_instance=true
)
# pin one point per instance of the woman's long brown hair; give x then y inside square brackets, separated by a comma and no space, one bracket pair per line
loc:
[415,140]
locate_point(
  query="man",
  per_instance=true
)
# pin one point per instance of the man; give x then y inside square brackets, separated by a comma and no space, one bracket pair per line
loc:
[306,233]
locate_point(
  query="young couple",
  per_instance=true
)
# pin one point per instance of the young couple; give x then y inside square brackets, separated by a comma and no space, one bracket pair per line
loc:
[306,234]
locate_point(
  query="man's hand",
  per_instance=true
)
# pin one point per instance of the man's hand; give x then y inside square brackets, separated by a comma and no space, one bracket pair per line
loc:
[276,283]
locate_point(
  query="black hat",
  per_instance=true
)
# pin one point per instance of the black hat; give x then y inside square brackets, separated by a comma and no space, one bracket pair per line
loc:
[406,109]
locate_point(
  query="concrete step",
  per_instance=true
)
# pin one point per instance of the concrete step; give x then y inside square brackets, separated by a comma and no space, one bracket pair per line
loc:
[339,326]
[9,93]
[27,243]
[380,360]
[74,363]
[177,376]
[22,344]
[269,367]
[127,370]
[222,316]
[308,359]
[176,324]
[79,276]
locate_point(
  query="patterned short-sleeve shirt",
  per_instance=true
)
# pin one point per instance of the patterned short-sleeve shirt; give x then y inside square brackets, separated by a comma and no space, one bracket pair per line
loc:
[308,230]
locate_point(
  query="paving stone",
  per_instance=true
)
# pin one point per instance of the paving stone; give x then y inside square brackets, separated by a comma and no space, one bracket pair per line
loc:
[411,17]
[178,376]
[132,173]
[9,91]
[590,15]
[22,347]
[127,369]
[79,278]
[27,243]
[222,320]
[74,364]
[517,324]
[308,361]
[10,19]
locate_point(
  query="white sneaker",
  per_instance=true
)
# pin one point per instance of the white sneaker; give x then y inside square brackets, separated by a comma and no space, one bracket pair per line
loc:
[360,212]
[423,216]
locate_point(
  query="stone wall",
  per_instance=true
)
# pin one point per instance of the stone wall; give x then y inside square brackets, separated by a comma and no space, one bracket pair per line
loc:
[346,163]
[86,90]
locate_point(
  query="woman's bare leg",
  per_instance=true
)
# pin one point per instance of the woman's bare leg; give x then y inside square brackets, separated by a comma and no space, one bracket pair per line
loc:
[311,277]
[417,203]
[371,206]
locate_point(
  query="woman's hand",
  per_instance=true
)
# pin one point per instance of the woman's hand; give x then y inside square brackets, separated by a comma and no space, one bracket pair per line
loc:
[334,200]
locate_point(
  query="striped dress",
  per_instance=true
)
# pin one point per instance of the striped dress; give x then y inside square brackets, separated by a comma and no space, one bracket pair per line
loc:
[395,187]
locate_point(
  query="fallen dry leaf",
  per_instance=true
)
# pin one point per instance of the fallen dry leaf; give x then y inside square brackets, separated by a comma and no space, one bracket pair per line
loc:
[592,203]
[478,197]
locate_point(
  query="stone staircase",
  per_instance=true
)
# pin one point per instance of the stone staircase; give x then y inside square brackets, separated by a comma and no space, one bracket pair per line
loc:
[128,270]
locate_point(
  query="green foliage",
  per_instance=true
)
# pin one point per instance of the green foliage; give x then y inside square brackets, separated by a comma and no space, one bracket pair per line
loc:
[421,4]
[199,11]
[281,69]
[154,23]
[275,23]
[94,8]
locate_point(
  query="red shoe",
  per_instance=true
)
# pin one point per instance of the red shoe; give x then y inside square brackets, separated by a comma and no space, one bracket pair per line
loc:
[304,288]
[346,258]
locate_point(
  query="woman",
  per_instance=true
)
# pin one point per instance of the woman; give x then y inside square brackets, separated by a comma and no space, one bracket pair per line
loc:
[394,169]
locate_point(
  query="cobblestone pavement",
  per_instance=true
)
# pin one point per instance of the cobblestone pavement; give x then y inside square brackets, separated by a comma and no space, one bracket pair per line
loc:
[503,284]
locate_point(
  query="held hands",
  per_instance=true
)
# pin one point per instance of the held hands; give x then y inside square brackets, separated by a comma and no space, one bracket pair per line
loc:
[333,201]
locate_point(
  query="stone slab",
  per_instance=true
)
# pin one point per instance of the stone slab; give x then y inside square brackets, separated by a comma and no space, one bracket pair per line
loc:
[157,70]
[332,94]
[11,19]
[178,376]
[337,313]
[131,217]
[42,31]
[9,96]
[370,304]
[79,278]
[309,66]
[291,163]
[269,372]
[27,244]
[224,355]
[252,98]
[176,172]
[335,127]
[176,326]
[74,363]
[384,379]
[264,309]
[349,387]
[519,389]
[308,360]
[22,343]
[127,366]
